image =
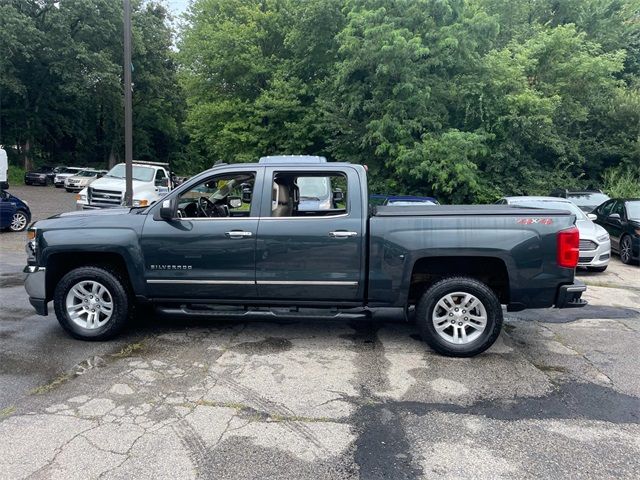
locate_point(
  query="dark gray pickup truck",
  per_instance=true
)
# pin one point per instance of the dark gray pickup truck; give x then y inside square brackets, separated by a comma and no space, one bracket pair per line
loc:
[234,240]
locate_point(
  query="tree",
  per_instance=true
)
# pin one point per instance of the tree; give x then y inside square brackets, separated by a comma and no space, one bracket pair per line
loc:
[61,81]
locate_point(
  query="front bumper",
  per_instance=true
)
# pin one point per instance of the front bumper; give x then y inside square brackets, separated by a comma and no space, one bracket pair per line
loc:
[35,285]
[35,181]
[569,295]
[596,258]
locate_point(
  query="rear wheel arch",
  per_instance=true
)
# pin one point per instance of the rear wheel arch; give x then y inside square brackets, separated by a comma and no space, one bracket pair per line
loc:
[491,271]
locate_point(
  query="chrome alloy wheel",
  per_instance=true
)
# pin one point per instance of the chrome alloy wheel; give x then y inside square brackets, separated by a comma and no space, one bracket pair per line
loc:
[89,304]
[459,318]
[625,250]
[18,222]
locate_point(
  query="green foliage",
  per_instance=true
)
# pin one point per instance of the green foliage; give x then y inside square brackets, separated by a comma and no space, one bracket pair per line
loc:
[61,81]
[16,175]
[464,99]
[467,100]
[622,182]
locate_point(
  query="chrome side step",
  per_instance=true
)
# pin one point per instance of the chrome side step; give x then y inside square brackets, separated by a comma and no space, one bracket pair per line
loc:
[262,313]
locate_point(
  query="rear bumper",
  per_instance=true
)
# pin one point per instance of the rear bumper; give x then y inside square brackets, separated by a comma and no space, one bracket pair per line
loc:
[569,295]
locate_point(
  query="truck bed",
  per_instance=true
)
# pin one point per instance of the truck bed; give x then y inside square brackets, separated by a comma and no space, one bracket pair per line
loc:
[463,210]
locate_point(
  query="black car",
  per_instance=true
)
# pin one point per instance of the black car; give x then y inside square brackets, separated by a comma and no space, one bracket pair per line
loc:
[587,200]
[40,176]
[621,218]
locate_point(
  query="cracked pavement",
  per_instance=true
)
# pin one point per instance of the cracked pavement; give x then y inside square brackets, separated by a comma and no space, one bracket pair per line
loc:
[557,396]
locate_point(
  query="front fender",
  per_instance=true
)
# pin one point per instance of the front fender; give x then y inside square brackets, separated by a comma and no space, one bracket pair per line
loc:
[94,242]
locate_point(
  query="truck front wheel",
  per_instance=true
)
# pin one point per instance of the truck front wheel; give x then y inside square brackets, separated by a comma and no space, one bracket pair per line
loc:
[459,317]
[92,303]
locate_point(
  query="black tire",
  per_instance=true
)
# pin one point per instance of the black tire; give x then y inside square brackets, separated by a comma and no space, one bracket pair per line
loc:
[597,269]
[117,288]
[437,291]
[23,225]
[626,258]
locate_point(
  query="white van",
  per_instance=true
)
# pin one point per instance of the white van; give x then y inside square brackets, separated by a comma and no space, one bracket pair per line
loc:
[4,169]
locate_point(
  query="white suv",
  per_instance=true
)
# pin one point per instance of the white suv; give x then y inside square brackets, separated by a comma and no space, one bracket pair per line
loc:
[151,182]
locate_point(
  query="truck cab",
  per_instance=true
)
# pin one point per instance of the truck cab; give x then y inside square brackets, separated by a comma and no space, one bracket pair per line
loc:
[151,182]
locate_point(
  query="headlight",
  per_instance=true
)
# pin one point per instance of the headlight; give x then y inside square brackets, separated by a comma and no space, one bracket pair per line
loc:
[32,246]
[81,198]
[141,203]
[603,238]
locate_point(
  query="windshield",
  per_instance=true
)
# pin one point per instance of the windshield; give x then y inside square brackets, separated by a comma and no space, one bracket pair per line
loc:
[633,210]
[553,205]
[316,188]
[70,170]
[587,199]
[144,174]
[86,173]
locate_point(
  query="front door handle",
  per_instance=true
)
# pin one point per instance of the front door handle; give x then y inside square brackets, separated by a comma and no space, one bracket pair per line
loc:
[235,234]
[342,234]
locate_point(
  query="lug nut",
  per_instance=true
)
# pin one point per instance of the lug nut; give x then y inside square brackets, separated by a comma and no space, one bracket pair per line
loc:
[453,322]
[456,309]
[466,318]
[460,323]
[464,311]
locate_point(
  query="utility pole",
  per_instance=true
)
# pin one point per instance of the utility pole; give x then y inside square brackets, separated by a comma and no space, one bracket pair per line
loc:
[128,119]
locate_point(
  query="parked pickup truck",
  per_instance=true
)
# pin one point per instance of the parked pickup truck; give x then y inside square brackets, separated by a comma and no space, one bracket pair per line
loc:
[234,241]
[151,182]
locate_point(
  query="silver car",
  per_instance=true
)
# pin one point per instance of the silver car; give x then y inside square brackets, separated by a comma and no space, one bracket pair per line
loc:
[595,245]
[82,180]
[64,173]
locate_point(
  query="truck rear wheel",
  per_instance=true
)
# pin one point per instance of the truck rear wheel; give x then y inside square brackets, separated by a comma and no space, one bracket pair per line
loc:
[459,317]
[92,303]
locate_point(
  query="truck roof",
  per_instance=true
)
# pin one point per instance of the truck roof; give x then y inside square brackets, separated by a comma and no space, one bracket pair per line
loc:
[296,159]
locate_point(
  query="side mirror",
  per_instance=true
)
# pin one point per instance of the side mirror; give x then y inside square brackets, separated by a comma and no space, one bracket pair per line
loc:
[168,209]
[338,196]
[592,216]
[235,202]
[246,195]
[614,217]
[163,182]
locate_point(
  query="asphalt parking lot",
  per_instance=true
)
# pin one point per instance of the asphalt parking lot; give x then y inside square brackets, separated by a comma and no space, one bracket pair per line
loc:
[557,396]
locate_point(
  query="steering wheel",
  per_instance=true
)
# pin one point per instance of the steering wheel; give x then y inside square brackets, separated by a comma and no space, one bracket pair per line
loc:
[210,209]
[205,206]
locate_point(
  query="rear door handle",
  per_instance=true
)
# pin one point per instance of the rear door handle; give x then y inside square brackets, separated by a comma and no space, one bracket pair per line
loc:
[342,234]
[235,234]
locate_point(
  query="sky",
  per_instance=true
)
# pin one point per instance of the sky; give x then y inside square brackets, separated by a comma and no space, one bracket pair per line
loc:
[177,7]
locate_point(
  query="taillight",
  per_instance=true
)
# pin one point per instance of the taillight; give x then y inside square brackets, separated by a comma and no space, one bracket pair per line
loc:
[568,247]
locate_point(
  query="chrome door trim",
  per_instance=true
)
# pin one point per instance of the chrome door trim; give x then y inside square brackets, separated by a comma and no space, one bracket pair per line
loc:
[252,282]
[203,282]
[306,282]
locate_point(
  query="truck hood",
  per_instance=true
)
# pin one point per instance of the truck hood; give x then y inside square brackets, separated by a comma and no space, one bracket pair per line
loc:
[116,184]
[94,213]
